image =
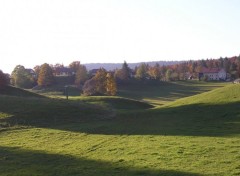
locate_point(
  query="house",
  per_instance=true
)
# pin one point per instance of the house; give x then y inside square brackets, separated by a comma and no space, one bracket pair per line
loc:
[63,71]
[93,72]
[236,81]
[32,72]
[215,74]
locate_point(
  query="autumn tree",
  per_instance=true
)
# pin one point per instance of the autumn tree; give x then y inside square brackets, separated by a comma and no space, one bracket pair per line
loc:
[154,72]
[226,64]
[22,78]
[141,72]
[238,66]
[45,77]
[3,79]
[111,85]
[37,69]
[123,74]
[75,65]
[101,78]
[126,71]
[168,74]
[163,70]
[58,65]
[233,70]
[81,75]
[102,83]
[89,87]
[174,76]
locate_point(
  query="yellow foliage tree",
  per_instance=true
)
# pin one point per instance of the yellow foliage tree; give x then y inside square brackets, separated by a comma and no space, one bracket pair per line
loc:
[101,81]
[111,85]
[81,75]
[45,77]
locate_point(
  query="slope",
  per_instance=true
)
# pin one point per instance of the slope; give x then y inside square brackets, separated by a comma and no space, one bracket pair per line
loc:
[200,138]
[14,91]
[225,95]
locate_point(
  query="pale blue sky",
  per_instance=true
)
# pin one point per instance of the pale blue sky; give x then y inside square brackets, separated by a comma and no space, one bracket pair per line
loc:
[60,31]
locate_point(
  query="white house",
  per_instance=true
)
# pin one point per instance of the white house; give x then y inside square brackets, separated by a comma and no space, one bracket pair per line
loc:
[63,71]
[213,74]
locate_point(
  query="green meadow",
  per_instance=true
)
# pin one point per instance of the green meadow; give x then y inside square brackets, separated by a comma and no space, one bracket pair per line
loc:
[170,129]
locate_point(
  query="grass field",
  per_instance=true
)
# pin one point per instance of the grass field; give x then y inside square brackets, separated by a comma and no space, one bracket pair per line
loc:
[196,135]
[161,93]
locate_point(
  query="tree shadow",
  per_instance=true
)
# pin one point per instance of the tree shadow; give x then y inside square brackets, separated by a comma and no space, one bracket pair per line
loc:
[165,91]
[186,120]
[19,111]
[17,162]
[14,91]
[190,120]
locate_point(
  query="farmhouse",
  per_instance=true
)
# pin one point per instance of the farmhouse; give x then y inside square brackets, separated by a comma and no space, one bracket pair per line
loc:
[213,74]
[93,72]
[32,72]
[63,71]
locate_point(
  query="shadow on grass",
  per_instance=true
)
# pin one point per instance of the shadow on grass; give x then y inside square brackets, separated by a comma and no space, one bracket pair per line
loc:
[18,111]
[14,91]
[17,162]
[116,103]
[165,91]
[188,120]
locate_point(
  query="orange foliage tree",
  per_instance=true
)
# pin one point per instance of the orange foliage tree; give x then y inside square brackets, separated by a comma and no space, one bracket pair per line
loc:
[45,77]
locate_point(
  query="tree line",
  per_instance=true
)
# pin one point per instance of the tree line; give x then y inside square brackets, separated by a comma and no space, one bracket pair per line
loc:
[43,76]
[106,82]
[184,70]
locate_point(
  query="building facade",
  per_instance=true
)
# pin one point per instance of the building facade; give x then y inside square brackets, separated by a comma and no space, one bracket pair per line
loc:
[214,74]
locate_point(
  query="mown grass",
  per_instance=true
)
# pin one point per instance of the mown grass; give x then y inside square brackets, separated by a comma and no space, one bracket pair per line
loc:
[116,103]
[152,92]
[13,91]
[161,93]
[198,135]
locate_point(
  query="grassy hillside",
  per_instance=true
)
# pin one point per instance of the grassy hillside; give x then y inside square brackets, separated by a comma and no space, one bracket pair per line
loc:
[160,93]
[225,95]
[116,103]
[154,93]
[13,91]
[19,111]
[195,136]
[214,113]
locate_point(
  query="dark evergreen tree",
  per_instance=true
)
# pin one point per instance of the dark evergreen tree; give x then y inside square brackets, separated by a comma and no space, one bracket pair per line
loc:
[3,80]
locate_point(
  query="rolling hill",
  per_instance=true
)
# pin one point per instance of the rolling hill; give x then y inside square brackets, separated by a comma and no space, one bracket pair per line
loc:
[14,91]
[224,95]
[194,136]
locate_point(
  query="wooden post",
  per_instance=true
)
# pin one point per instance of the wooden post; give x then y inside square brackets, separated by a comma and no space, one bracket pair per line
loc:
[66,92]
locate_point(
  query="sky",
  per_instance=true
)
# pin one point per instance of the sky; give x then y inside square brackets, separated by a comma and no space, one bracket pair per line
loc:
[33,32]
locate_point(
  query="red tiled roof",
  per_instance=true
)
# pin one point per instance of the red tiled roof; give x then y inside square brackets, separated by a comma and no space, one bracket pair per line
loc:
[63,69]
[210,70]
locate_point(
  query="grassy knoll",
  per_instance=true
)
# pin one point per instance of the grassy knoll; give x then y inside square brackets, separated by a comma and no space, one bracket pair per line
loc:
[198,135]
[155,93]
[116,103]
[13,91]
[160,93]
[19,111]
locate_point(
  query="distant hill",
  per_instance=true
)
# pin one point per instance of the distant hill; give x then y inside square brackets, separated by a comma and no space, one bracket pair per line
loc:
[112,66]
